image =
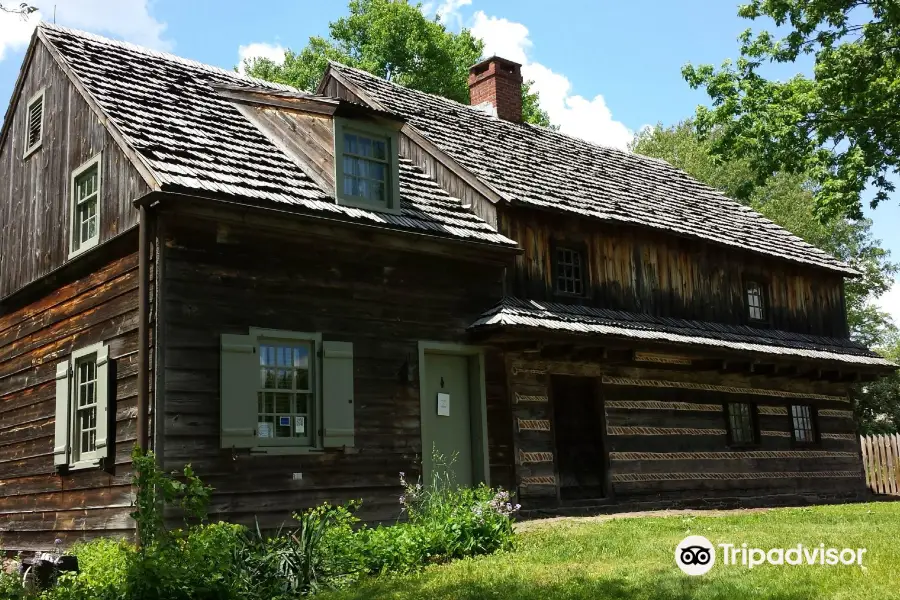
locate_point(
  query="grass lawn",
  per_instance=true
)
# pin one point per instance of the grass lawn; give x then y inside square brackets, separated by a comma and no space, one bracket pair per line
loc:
[594,559]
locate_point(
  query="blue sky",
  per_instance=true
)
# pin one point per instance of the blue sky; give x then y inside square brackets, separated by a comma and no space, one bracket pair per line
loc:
[604,68]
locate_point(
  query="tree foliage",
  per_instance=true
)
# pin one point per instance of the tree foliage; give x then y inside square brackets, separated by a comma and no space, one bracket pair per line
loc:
[393,40]
[840,128]
[788,199]
[23,9]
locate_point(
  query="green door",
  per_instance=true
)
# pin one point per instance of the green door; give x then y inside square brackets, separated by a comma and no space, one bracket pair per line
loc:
[446,415]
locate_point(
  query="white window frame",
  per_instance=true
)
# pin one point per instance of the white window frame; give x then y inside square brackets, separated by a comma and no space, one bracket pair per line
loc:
[77,460]
[392,185]
[85,245]
[274,336]
[29,150]
[760,296]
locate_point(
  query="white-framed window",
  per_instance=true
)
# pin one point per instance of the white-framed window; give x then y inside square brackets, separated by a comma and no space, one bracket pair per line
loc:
[366,165]
[34,123]
[82,401]
[286,391]
[756,308]
[85,207]
[741,418]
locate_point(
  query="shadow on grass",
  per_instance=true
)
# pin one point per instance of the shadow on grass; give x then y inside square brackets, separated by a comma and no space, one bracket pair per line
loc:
[659,586]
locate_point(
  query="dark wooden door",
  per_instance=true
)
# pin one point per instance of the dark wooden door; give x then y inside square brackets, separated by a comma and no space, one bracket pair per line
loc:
[578,424]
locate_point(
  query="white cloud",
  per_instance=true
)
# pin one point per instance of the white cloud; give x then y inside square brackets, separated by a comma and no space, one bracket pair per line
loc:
[449,12]
[589,119]
[273,52]
[889,302]
[15,31]
[129,20]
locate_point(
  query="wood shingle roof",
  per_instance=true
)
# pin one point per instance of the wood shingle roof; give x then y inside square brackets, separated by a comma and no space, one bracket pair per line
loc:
[515,313]
[192,139]
[541,168]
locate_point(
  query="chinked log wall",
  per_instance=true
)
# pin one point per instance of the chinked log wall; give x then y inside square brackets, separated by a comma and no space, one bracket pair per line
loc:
[666,437]
[37,505]
[35,192]
[652,272]
[383,301]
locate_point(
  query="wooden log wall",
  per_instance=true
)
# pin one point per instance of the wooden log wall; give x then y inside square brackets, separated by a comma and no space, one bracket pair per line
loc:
[38,505]
[35,191]
[666,436]
[645,271]
[383,301]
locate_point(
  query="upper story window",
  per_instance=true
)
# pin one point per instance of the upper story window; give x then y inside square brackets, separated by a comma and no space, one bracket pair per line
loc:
[741,424]
[34,123]
[569,271]
[85,209]
[756,306]
[366,166]
[803,425]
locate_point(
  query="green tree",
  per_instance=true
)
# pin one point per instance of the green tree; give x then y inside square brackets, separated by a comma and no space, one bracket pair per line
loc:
[22,9]
[395,41]
[877,403]
[841,127]
[789,200]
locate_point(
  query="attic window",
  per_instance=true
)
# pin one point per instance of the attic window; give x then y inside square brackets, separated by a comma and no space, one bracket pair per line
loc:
[34,123]
[366,166]
[755,304]
[569,272]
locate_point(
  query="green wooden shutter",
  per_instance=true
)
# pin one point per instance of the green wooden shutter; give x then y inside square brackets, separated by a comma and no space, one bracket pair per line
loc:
[61,437]
[239,380]
[337,389]
[103,403]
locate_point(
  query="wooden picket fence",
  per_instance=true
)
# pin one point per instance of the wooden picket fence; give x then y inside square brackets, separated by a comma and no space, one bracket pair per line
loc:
[881,457]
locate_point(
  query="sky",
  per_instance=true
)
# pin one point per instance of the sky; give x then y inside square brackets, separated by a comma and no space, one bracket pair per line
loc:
[603,68]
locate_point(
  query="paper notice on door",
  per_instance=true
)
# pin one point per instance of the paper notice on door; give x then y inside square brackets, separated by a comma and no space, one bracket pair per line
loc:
[443,405]
[264,430]
[300,425]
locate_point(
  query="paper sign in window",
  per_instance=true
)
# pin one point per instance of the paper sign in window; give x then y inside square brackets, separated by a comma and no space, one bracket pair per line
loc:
[300,425]
[264,430]
[443,405]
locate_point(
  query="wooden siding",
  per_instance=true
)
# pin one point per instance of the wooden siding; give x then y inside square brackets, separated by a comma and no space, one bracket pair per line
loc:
[663,275]
[307,137]
[38,505]
[383,301]
[35,191]
[666,436]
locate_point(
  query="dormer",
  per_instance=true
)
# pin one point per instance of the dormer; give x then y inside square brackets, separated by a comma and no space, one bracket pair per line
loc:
[350,150]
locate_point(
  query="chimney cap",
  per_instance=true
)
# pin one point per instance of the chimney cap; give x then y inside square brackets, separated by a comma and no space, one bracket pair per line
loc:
[484,64]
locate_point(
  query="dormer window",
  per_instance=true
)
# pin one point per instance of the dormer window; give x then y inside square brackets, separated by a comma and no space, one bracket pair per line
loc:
[366,165]
[756,308]
[34,123]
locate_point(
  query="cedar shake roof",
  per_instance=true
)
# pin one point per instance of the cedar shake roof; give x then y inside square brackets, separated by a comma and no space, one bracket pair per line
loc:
[514,313]
[540,168]
[194,140]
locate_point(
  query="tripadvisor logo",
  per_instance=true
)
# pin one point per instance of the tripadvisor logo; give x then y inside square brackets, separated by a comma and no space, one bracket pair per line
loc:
[696,555]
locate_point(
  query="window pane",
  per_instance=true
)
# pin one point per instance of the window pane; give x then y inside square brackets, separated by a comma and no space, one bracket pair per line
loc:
[350,144]
[365,146]
[287,368]
[380,150]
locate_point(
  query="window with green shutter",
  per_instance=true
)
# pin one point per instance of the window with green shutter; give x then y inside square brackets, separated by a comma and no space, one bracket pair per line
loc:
[366,165]
[285,391]
[82,409]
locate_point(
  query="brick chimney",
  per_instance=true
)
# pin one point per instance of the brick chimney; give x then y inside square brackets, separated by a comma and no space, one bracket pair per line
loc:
[498,82]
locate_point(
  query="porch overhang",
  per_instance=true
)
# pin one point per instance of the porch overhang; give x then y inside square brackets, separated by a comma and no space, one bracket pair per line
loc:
[553,325]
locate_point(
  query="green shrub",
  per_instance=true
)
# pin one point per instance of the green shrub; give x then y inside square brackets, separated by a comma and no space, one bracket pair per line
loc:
[104,571]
